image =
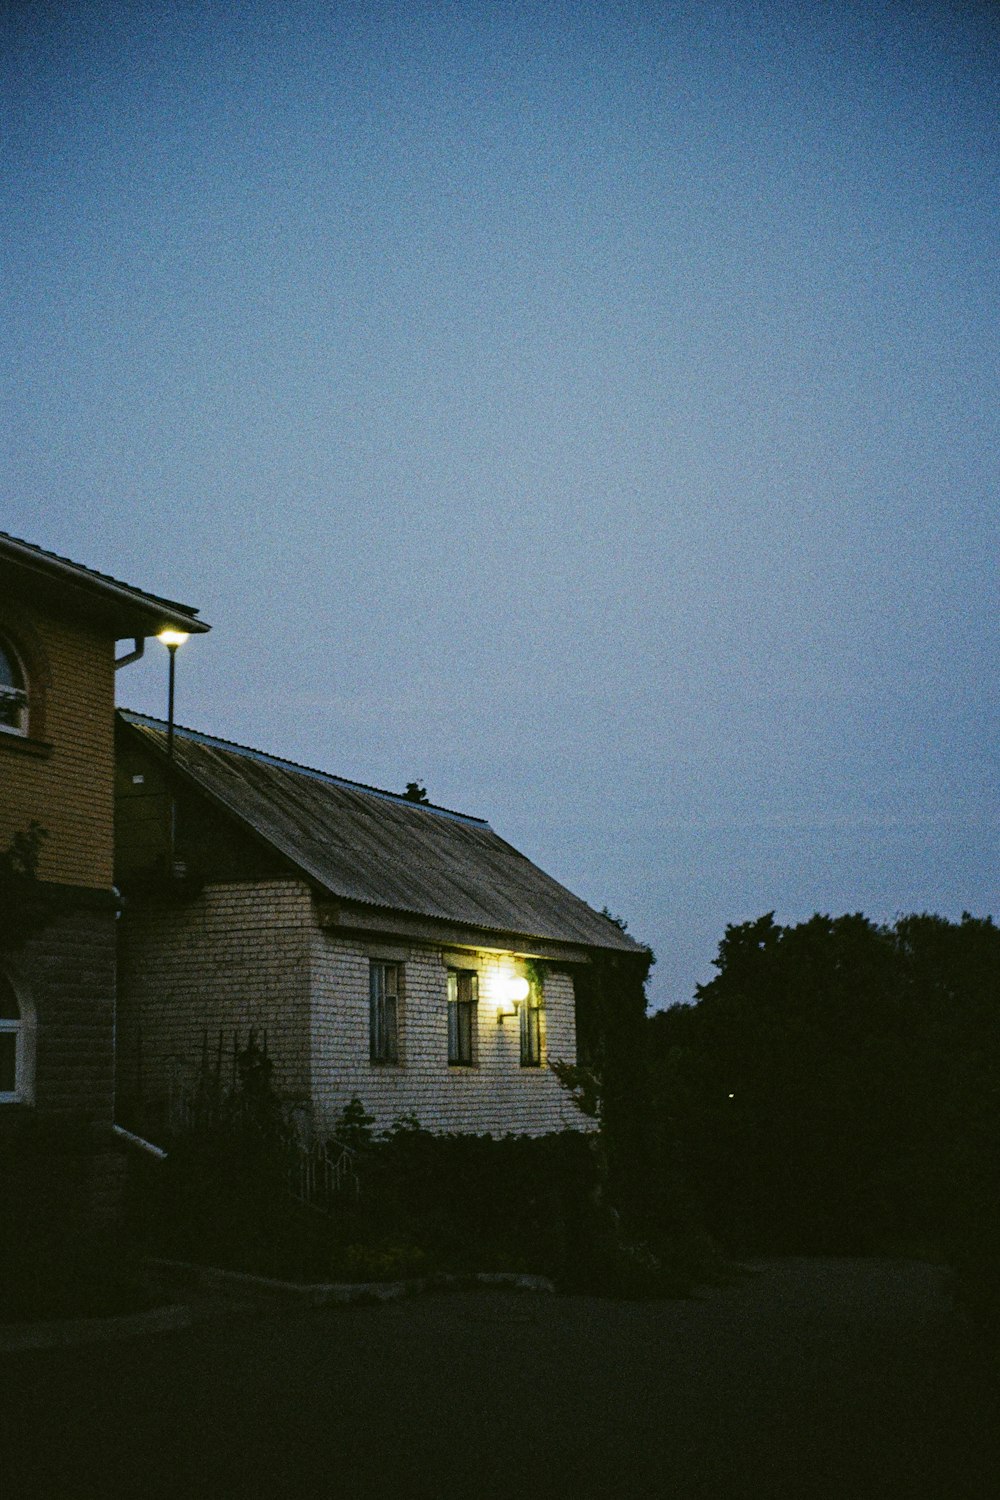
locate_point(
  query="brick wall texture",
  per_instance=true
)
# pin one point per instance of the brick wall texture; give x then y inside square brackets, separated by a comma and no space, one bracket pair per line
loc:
[59,1161]
[235,959]
[69,969]
[253,955]
[70,790]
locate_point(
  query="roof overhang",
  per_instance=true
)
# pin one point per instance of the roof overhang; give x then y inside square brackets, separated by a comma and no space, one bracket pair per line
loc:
[350,918]
[69,588]
[339,913]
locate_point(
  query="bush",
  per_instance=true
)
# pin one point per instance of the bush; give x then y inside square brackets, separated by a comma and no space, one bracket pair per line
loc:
[476,1203]
[427,1204]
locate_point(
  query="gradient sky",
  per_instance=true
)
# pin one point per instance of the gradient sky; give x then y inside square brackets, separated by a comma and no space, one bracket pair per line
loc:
[588,409]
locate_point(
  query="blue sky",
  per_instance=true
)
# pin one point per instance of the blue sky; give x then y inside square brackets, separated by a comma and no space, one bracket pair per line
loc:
[587,409]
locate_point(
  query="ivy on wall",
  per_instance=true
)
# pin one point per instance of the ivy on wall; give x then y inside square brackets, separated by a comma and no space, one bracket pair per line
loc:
[25,905]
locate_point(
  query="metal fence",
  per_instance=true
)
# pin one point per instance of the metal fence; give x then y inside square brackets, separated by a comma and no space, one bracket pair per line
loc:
[199,1097]
[322,1173]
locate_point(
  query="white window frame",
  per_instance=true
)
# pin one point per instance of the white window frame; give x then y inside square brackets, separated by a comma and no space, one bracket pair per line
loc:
[22,1026]
[17,695]
[532,1027]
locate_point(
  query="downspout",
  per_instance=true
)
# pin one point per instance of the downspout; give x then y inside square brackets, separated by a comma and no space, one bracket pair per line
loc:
[140,646]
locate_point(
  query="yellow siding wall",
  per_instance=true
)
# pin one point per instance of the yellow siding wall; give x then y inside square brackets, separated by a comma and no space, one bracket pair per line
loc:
[70,790]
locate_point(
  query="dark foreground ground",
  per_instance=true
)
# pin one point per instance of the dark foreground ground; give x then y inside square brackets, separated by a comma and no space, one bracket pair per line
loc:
[809,1378]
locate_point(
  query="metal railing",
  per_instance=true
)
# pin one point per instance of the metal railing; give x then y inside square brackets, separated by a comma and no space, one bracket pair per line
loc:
[322,1173]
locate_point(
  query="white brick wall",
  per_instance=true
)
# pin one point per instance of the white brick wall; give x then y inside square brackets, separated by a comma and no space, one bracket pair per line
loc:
[236,958]
[496,1095]
[252,955]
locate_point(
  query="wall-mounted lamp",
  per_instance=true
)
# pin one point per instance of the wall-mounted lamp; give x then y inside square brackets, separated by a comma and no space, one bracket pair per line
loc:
[514,991]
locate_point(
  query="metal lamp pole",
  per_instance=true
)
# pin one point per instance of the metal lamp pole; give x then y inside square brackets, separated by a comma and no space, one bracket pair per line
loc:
[172,648]
[171,639]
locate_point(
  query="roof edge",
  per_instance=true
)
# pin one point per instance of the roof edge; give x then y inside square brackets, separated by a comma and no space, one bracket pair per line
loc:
[130,716]
[170,610]
[353,913]
[624,944]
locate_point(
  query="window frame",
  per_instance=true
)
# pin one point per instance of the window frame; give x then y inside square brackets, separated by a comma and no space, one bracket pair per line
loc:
[463,1041]
[531,1028]
[20,695]
[383,1011]
[21,1026]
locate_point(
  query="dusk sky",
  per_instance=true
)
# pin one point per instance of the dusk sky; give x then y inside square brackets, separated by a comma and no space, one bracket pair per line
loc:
[587,409]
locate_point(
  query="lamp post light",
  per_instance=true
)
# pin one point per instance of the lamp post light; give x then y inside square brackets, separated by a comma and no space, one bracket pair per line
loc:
[171,639]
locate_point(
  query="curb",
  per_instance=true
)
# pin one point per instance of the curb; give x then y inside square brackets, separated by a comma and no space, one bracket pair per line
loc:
[326,1294]
[64,1333]
[241,1288]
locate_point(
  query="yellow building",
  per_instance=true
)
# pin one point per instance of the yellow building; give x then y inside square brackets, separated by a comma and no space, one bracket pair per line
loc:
[59,625]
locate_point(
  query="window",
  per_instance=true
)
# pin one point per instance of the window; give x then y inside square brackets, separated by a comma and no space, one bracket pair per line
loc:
[15,1047]
[531,1028]
[463,996]
[13,693]
[383,1012]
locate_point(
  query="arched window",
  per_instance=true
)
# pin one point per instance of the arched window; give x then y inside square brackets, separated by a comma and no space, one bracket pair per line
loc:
[16,1046]
[13,692]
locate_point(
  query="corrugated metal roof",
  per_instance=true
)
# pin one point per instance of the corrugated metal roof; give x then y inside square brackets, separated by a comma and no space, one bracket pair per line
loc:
[377,848]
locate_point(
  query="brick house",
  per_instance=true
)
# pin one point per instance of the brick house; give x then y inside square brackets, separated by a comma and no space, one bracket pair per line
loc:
[59,623]
[390,950]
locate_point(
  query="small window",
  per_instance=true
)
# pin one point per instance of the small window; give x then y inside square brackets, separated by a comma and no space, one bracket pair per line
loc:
[13,693]
[463,997]
[383,1012]
[13,1046]
[531,1028]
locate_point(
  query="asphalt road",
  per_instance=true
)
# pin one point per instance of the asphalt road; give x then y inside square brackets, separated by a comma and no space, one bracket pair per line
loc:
[846,1378]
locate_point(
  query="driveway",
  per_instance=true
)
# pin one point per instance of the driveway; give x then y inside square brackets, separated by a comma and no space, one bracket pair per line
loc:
[843,1378]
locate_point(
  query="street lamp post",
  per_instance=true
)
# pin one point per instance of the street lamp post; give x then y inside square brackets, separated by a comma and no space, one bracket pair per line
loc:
[171,639]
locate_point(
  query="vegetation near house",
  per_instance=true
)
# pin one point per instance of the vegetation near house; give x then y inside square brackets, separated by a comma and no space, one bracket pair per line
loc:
[835,1089]
[414,1203]
[25,906]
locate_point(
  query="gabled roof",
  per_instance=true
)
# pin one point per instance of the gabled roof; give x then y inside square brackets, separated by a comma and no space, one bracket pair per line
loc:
[119,607]
[376,848]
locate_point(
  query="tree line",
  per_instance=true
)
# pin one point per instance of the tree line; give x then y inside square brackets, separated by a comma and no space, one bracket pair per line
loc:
[835,1088]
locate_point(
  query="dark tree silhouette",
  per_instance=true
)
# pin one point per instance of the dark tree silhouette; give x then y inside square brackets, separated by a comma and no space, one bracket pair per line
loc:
[836,1086]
